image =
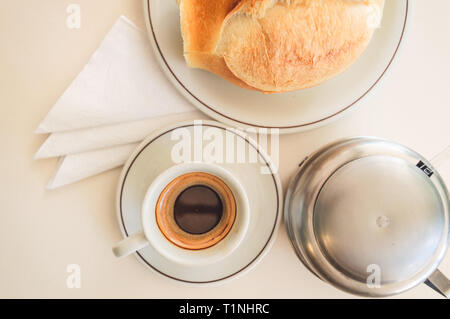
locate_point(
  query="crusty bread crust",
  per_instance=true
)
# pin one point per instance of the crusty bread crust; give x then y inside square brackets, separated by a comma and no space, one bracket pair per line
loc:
[201,22]
[276,45]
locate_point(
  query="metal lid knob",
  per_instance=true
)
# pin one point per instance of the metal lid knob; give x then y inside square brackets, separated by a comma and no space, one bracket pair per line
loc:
[379,211]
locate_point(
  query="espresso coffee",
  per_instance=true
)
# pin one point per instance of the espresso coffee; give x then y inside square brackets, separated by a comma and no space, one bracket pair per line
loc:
[198,209]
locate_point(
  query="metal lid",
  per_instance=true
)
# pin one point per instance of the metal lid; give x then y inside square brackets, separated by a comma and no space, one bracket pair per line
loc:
[369,216]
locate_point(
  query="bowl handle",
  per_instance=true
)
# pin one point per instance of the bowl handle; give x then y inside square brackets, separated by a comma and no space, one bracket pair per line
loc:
[442,163]
[440,283]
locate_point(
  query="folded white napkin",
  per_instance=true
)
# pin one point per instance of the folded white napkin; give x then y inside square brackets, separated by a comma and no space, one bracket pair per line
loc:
[87,162]
[121,82]
[75,167]
[88,139]
[119,97]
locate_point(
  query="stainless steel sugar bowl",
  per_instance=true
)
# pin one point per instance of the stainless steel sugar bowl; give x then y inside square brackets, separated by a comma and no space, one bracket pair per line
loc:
[370,217]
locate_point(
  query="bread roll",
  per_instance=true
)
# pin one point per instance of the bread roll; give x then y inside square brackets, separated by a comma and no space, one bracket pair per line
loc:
[277,45]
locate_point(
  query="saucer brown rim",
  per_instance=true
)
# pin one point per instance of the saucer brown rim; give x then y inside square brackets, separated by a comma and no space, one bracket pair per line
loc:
[276,182]
[165,214]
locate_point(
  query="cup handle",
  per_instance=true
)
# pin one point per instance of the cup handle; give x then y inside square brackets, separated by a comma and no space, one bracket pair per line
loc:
[438,282]
[130,245]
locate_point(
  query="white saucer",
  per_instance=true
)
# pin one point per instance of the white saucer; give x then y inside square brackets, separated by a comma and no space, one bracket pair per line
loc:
[264,192]
[290,112]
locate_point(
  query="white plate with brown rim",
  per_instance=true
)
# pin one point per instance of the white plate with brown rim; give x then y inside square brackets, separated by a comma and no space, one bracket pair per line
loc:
[288,112]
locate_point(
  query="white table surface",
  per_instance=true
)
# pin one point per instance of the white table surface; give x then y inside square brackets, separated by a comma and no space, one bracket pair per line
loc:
[41,232]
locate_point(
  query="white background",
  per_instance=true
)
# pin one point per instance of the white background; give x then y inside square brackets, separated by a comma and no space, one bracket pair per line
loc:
[41,231]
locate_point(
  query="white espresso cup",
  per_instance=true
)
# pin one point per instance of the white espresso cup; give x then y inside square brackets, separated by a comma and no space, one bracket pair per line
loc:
[153,235]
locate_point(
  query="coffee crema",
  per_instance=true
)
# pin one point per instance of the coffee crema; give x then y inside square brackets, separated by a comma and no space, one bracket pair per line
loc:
[195,210]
